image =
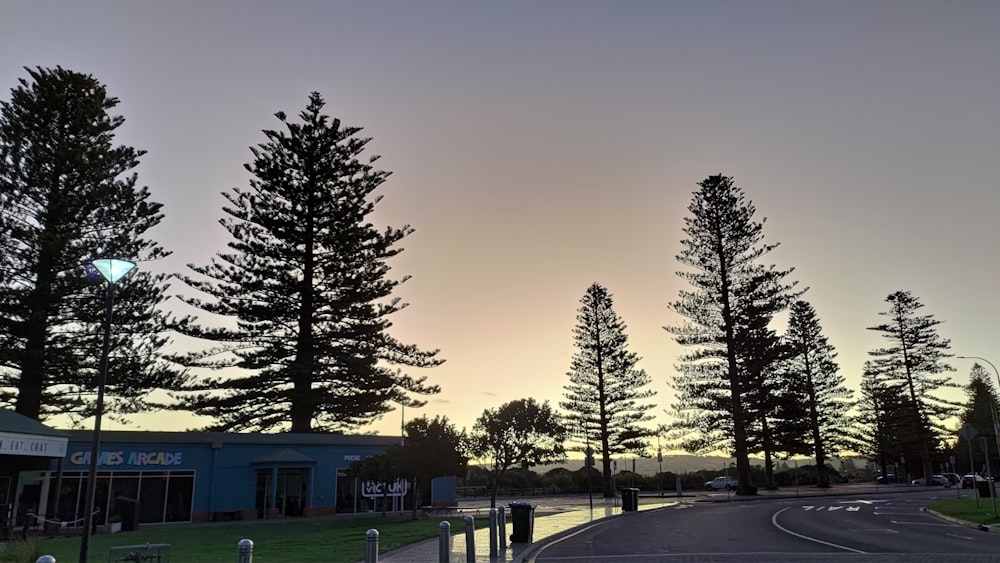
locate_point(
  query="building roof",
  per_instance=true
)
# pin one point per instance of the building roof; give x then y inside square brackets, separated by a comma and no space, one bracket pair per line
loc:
[284,455]
[14,423]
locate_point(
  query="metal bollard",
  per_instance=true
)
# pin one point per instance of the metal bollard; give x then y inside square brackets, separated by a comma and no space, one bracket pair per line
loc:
[444,543]
[244,551]
[470,539]
[503,528]
[371,546]
[46,559]
[493,532]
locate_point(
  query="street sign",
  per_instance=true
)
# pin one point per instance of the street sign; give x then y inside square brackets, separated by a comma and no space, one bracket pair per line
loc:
[967,432]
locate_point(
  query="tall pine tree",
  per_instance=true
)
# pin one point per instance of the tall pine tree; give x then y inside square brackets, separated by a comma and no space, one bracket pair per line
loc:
[733,295]
[978,412]
[306,282]
[605,393]
[812,366]
[914,362]
[69,195]
[882,429]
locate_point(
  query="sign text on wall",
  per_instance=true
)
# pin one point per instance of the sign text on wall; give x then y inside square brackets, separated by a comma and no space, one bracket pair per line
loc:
[27,444]
[397,488]
[128,458]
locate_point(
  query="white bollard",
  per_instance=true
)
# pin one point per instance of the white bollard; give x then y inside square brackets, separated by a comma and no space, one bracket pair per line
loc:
[502,524]
[470,539]
[371,546]
[46,559]
[444,543]
[244,551]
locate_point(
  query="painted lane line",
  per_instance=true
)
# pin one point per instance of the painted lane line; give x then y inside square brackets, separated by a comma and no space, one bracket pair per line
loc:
[961,537]
[535,555]
[774,521]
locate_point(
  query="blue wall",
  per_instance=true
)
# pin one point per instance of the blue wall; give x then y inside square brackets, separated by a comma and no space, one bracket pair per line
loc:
[226,465]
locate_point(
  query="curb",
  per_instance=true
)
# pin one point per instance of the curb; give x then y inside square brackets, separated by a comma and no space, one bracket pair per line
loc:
[953,520]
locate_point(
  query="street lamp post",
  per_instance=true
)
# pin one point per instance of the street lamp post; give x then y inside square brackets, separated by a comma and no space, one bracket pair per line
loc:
[588,462]
[111,270]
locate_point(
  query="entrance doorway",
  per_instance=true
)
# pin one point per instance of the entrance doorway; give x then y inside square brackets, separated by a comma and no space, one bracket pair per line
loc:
[289,491]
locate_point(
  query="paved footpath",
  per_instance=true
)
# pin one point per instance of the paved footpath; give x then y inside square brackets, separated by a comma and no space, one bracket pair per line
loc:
[557,515]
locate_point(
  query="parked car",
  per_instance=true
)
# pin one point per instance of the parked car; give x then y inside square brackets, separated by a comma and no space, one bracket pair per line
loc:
[953,478]
[971,478]
[886,479]
[721,482]
[935,480]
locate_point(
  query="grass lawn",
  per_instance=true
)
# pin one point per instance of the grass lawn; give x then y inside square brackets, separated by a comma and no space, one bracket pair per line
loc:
[319,540]
[966,509]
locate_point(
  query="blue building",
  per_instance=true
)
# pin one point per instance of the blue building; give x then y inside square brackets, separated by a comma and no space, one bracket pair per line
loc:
[161,477]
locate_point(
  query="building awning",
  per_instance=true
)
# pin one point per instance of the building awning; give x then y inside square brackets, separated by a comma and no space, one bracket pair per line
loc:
[284,456]
[20,435]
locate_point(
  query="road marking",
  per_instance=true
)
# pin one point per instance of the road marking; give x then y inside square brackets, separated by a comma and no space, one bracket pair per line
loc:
[960,537]
[874,530]
[535,555]
[832,508]
[862,501]
[774,521]
[853,508]
[924,523]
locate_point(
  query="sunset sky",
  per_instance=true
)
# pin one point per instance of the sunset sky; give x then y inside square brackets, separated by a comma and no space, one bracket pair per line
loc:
[538,147]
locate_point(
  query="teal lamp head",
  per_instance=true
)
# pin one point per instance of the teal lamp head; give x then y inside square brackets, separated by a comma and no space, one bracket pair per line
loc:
[112,269]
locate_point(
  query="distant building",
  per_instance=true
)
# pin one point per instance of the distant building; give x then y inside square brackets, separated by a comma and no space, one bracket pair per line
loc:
[159,477]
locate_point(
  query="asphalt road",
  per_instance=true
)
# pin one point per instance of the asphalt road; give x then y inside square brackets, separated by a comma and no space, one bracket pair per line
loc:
[871,527]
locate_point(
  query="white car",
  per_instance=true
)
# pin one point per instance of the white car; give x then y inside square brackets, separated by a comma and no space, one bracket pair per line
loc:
[720,483]
[935,479]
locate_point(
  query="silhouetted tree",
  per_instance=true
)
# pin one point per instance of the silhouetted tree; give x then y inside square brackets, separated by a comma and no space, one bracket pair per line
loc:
[68,195]
[432,448]
[814,374]
[518,433]
[383,469]
[774,410]
[733,296]
[882,424]
[915,361]
[305,286]
[606,389]
[979,411]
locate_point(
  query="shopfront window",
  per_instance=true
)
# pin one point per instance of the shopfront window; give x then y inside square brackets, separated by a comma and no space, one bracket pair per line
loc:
[136,497]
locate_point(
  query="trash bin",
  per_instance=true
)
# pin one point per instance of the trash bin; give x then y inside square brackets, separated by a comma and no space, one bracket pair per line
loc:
[630,499]
[522,519]
[985,488]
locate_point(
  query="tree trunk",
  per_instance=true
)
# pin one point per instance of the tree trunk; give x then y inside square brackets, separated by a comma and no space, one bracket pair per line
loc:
[493,491]
[768,460]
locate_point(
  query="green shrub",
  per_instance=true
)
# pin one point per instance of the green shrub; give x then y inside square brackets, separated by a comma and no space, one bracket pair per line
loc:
[27,551]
